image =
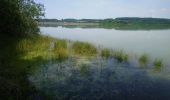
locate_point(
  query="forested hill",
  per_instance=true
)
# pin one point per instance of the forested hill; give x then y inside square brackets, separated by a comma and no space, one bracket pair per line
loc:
[142,20]
[117,20]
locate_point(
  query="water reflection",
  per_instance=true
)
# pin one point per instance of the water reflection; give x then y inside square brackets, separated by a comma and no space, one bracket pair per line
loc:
[99,79]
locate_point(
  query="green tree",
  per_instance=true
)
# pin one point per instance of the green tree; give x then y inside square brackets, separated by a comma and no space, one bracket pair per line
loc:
[17,17]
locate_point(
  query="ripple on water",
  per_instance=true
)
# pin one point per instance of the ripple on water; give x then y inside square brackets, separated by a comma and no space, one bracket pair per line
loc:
[103,79]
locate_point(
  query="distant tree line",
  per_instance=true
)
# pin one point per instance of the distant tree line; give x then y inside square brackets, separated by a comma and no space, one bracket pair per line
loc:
[17,17]
[122,20]
[71,20]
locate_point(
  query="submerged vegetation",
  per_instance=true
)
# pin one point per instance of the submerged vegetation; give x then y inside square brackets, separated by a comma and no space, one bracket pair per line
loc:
[143,60]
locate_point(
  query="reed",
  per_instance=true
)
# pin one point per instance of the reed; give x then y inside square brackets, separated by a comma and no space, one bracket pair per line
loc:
[84,49]
[143,60]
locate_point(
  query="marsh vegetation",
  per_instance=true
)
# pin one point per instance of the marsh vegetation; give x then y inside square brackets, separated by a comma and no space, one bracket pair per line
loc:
[48,48]
[82,67]
[34,66]
[36,62]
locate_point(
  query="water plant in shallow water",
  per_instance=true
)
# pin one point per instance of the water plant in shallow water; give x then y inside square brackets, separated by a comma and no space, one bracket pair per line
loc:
[143,60]
[34,47]
[60,50]
[46,48]
[105,53]
[84,49]
[158,64]
[41,48]
[84,68]
[120,56]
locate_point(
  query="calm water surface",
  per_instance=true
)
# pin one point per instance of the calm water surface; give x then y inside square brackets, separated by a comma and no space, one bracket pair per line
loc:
[107,79]
[152,42]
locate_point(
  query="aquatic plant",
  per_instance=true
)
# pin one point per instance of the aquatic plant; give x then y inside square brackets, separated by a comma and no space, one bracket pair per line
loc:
[43,47]
[60,50]
[158,64]
[143,60]
[84,68]
[106,53]
[84,49]
[120,56]
[34,47]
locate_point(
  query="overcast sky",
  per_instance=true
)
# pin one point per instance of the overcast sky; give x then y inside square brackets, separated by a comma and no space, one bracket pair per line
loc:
[106,8]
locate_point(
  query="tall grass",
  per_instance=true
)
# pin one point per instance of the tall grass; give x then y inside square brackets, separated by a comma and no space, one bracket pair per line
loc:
[43,47]
[84,49]
[106,53]
[60,50]
[158,64]
[119,55]
[143,60]
[34,47]
[48,48]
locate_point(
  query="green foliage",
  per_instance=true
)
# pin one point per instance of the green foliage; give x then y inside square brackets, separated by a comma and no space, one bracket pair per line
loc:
[17,17]
[126,23]
[136,23]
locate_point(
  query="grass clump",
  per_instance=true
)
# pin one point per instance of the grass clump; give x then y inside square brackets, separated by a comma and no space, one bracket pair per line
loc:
[144,59]
[60,44]
[34,47]
[60,50]
[120,56]
[43,47]
[105,53]
[84,49]
[158,64]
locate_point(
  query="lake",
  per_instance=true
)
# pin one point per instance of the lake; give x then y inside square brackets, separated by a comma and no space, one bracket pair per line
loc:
[107,79]
[152,42]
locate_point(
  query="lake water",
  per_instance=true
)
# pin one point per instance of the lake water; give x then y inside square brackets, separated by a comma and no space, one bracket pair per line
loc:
[107,79]
[155,43]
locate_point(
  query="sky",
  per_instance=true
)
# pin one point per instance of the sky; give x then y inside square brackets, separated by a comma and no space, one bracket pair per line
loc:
[101,9]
